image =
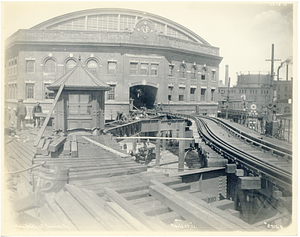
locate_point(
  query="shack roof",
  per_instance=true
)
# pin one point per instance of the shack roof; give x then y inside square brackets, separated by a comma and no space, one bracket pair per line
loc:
[79,78]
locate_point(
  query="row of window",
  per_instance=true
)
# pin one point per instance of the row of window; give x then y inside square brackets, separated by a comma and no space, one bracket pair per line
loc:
[12,92]
[181,94]
[182,72]
[12,66]
[143,68]
[221,91]
[115,22]
[136,68]
[50,66]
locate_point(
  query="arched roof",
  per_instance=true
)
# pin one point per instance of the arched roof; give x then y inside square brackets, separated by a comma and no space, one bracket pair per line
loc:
[116,19]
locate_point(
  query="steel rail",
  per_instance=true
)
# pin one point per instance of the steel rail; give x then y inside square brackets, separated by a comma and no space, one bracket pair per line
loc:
[257,166]
[279,150]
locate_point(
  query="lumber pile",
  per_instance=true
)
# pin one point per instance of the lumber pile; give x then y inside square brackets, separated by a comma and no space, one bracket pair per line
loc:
[205,217]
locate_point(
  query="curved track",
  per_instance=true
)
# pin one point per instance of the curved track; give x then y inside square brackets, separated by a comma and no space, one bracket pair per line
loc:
[256,165]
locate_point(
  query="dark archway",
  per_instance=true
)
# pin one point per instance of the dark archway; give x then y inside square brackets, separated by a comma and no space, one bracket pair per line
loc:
[143,96]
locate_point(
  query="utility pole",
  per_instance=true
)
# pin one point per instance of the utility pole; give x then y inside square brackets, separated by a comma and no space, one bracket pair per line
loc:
[272,73]
[227,103]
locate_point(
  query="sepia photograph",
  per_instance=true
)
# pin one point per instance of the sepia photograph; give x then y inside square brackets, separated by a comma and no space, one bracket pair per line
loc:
[149,118]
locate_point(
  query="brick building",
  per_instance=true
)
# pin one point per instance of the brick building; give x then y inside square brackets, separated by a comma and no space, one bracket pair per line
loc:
[255,89]
[144,58]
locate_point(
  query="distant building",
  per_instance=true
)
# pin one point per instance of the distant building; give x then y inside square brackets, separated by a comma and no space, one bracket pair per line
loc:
[145,59]
[255,89]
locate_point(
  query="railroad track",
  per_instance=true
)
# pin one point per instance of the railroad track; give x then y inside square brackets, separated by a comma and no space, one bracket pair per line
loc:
[255,165]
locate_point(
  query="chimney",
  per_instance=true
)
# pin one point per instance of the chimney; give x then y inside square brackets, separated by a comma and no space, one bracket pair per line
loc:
[226,74]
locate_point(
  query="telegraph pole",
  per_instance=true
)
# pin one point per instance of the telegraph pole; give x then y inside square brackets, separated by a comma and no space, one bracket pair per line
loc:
[272,73]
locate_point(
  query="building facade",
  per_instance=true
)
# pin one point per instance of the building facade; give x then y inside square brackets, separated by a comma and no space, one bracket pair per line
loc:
[145,59]
[255,89]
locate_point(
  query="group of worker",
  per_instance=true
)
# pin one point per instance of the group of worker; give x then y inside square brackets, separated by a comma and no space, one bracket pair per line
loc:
[21,113]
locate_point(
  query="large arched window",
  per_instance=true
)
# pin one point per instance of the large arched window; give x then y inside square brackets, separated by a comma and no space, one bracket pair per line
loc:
[92,66]
[50,66]
[71,63]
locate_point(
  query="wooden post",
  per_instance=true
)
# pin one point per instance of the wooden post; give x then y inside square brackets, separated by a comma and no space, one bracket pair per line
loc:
[157,150]
[181,147]
[41,132]
[157,157]
[134,145]
[164,142]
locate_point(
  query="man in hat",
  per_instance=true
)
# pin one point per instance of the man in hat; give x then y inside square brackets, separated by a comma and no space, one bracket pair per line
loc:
[36,109]
[21,113]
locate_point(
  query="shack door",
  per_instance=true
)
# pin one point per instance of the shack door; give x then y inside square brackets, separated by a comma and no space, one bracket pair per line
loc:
[79,110]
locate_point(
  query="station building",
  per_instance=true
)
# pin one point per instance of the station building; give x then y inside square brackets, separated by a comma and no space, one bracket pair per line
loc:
[145,59]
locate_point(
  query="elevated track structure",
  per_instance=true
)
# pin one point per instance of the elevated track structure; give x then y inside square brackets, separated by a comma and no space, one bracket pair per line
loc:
[257,159]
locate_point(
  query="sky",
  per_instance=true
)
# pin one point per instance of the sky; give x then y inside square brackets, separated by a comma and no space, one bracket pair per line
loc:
[244,31]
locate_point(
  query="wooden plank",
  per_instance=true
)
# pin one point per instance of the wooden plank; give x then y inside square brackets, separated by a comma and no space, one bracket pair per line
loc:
[98,211]
[74,148]
[63,218]
[107,173]
[81,218]
[125,217]
[56,144]
[168,217]
[67,148]
[19,154]
[45,147]
[40,146]
[42,130]
[201,217]
[147,221]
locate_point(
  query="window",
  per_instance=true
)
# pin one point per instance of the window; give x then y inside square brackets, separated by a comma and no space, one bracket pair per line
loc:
[203,94]
[79,104]
[194,72]
[144,68]
[15,91]
[50,66]
[171,68]
[192,92]
[181,93]
[30,66]
[286,110]
[112,67]
[92,66]
[48,94]
[70,65]
[133,68]
[182,71]
[170,92]
[202,77]
[212,94]
[30,91]
[213,75]
[111,93]
[154,69]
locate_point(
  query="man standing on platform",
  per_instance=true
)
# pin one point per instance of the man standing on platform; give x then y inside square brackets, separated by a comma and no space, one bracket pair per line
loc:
[36,119]
[21,113]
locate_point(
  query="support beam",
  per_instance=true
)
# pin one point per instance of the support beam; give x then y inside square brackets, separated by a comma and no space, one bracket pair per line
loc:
[181,147]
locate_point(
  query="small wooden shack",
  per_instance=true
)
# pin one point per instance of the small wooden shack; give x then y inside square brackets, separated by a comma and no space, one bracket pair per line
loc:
[82,101]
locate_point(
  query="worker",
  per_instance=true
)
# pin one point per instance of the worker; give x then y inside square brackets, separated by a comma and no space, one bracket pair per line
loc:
[36,119]
[21,113]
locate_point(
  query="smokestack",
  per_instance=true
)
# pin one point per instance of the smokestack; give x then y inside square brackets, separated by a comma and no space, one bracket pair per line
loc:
[226,74]
[287,72]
